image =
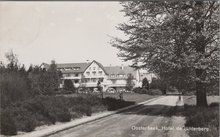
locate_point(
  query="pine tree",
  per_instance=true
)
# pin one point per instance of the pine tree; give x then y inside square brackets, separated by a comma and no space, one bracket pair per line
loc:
[129,82]
[145,83]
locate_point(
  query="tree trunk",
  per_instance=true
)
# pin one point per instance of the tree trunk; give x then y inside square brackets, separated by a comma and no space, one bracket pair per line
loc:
[201,100]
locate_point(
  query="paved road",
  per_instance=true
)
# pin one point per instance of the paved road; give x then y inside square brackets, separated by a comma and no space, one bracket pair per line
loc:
[154,119]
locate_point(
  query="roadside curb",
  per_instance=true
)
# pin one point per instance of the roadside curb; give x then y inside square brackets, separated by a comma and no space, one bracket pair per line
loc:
[78,122]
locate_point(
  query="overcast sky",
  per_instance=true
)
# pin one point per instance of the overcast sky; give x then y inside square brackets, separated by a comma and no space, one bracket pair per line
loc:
[65,31]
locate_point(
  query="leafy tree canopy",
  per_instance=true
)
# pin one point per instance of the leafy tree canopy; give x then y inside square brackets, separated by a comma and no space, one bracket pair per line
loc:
[177,40]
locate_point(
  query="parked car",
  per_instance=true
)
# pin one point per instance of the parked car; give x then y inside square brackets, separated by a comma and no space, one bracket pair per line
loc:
[111,90]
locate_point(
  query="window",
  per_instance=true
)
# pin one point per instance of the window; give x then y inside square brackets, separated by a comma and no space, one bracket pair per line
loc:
[100,72]
[90,68]
[68,68]
[76,81]
[75,68]
[93,68]
[88,73]
[76,74]
[94,73]
[101,79]
[93,80]
[113,81]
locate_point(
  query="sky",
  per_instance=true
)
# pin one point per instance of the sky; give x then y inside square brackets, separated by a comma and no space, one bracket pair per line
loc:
[67,32]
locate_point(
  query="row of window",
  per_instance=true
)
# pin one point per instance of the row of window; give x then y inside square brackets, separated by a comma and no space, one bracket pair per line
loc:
[93,80]
[94,73]
[69,68]
[88,80]
[94,68]
[71,75]
[119,75]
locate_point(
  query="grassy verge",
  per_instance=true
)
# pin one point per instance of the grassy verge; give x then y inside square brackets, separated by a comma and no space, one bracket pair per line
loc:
[202,117]
[133,97]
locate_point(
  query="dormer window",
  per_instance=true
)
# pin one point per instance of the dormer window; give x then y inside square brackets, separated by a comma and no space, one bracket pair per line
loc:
[75,68]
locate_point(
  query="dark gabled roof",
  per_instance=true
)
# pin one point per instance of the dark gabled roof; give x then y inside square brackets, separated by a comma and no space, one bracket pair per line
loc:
[82,66]
[119,70]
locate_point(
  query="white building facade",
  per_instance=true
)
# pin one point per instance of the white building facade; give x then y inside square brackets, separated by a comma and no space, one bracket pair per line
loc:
[88,74]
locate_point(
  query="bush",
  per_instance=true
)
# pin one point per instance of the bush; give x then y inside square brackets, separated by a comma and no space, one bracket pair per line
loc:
[202,117]
[144,91]
[46,110]
[55,109]
[139,90]
[8,126]
[13,88]
[114,104]
[59,114]
[82,109]
[24,119]
[214,104]
[154,92]
[68,85]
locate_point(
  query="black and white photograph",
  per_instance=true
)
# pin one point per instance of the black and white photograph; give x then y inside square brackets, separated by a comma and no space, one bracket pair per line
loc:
[109,68]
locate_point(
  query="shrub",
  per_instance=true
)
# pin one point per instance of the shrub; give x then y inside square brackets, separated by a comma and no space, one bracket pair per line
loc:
[82,109]
[214,104]
[46,110]
[114,104]
[129,82]
[24,119]
[59,114]
[56,109]
[137,90]
[8,126]
[154,92]
[144,91]
[145,83]
[68,85]
[13,88]
[202,117]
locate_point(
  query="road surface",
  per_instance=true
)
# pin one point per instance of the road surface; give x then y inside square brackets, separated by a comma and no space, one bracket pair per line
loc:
[154,119]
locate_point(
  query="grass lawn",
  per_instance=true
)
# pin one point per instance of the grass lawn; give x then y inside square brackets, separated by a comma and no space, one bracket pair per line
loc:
[202,117]
[191,100]
[133,97]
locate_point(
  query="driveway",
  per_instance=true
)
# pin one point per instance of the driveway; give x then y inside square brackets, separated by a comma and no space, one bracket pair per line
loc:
[153,119]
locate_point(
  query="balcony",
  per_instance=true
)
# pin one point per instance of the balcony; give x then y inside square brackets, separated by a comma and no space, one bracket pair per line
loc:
[71,77]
